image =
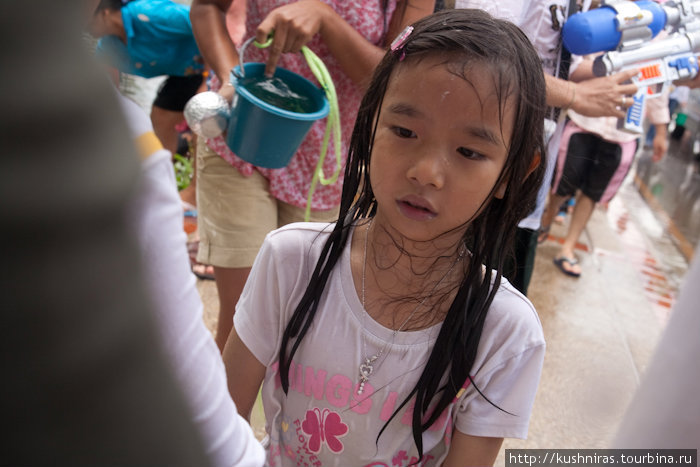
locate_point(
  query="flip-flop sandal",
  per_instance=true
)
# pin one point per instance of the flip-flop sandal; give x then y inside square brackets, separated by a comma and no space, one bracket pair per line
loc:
[559,262]
[203,271]
[543,234]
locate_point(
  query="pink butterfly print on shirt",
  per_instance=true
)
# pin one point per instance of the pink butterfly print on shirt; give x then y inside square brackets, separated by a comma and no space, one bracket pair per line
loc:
[324,425]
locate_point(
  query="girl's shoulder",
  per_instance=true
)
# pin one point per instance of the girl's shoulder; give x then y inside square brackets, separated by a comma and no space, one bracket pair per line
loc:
[512,331]
[299,236]
[300,230]
[512,313]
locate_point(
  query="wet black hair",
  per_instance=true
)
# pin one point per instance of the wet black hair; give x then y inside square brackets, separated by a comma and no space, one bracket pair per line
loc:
[464,38]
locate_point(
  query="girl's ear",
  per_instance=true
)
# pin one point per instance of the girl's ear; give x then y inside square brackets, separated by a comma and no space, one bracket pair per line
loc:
[534,163]
[501,190]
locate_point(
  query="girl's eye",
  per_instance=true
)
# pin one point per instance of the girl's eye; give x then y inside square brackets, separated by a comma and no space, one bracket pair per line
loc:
[403,132]
[469,154]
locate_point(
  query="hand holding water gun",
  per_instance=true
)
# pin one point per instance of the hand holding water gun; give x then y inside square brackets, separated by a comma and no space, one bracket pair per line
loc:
[624,29]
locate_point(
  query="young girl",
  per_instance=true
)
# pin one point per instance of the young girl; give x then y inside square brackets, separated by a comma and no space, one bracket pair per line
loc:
[389,337]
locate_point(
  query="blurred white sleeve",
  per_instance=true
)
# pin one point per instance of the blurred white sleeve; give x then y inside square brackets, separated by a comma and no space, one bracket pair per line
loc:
[190,348]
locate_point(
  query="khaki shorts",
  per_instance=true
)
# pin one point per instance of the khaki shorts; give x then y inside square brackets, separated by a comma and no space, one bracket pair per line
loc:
[235,213]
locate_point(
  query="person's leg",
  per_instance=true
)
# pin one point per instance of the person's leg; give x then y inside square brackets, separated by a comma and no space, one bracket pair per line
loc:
[563,211]
[651,133]
[235,212]
[567,177]
[230,281]
[170,101]
[164,122]
[582,213]
[602,177]
[229,285]
[553,204]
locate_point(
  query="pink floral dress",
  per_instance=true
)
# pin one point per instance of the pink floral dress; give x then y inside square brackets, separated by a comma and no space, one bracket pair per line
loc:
[291,184]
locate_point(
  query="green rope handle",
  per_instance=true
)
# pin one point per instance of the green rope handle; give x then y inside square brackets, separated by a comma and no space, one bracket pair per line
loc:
[319,70]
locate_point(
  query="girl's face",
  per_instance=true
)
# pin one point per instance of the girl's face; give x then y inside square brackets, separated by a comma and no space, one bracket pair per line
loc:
[440,146]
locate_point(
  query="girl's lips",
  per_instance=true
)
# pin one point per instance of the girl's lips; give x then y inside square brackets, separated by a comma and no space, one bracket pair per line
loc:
[416,208]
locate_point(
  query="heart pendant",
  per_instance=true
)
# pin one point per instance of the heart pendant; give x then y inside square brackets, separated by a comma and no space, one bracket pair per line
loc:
[365,371]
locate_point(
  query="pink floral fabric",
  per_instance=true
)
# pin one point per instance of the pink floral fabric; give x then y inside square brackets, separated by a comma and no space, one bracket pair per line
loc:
[291,184]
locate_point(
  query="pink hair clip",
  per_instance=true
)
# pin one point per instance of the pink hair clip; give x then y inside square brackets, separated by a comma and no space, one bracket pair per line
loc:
[400,41]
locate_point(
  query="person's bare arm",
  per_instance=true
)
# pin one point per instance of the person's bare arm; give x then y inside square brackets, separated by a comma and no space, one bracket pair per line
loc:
[468,451]
[244,373]
[592,97]
[209,28]
[407,12]
[660,143]
[296,23]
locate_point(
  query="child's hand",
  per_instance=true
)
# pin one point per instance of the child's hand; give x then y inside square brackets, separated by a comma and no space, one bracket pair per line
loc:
[294,25]
[227,91]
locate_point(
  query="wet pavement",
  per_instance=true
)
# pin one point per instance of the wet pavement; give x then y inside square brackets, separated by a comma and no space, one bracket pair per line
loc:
[602,328]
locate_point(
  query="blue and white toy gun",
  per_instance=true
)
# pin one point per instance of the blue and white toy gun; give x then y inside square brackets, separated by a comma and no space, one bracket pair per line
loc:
[624,29]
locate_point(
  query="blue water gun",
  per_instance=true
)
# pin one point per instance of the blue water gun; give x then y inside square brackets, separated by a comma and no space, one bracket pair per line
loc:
[624,30]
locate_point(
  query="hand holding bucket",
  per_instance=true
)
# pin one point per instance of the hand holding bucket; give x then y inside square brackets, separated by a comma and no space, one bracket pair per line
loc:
[261,131]
[268,136]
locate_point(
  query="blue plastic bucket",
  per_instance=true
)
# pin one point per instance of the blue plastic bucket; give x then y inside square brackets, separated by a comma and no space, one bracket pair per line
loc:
[265,135]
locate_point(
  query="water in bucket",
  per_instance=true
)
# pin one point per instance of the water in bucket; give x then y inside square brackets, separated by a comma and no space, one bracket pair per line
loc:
[254,120]
[277,93]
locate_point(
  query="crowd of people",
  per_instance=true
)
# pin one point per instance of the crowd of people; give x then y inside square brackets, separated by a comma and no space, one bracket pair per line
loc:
[392,326]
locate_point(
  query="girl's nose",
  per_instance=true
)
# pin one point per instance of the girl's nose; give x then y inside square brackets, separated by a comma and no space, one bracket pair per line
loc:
[428,169]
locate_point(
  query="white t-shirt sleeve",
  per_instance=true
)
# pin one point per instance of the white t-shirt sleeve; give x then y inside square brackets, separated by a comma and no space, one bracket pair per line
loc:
[257,318]
[276,284]
[506,371]
[278,279]
[511,388]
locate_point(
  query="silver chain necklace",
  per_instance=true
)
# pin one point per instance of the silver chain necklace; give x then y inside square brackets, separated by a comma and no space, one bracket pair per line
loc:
[367,366]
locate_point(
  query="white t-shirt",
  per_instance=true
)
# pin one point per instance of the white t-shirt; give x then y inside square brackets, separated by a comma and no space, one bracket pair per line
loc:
[540,20]
[156,218]
[323,420]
